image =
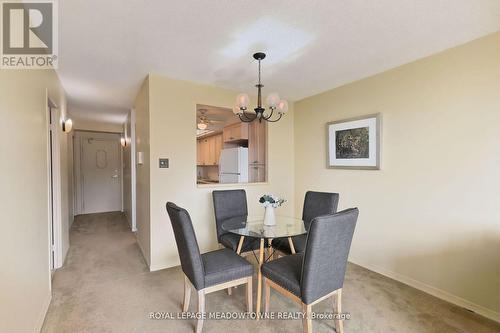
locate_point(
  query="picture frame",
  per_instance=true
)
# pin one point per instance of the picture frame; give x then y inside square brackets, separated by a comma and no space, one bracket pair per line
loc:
[354,143]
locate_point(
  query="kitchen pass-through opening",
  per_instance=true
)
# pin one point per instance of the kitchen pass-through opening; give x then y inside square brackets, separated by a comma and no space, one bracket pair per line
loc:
[229,151]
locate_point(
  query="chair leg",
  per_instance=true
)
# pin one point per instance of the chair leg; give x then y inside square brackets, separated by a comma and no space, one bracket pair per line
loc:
[249,295]
[267,295]
[337,309]
[201,310]
[187,294]
[307,320]
[238,251]
[259,278]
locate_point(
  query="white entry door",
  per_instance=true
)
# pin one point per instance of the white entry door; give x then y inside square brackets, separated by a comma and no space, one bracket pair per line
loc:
[101,183]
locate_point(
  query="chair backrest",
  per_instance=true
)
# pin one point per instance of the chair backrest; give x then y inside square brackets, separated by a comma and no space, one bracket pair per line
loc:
[228,204]
[187,245]
[325,257]
[318,204]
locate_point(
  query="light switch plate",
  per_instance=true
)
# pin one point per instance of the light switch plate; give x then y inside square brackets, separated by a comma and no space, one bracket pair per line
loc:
[163,163]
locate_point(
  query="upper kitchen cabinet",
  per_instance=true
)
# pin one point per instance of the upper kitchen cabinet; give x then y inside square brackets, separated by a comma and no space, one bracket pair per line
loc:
[257,142]
[203,151]
[199,152]
[235,132]
[216,148]
[208,150]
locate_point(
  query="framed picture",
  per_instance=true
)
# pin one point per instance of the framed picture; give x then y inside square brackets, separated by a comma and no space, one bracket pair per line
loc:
[354,143]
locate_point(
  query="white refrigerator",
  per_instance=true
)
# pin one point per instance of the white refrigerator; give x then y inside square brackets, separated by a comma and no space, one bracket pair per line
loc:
[233,165]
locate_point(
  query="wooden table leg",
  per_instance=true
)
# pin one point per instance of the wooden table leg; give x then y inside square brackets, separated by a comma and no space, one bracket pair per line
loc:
[240,245]
[269,248]
[290,242]
[238,251]
[259,277]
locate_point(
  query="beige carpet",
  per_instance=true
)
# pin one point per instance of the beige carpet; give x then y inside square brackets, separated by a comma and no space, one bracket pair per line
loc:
[105,286]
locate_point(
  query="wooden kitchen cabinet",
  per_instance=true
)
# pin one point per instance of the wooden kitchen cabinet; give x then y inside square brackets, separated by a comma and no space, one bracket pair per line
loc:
[257,151]
[209,149]
[199,152]
[218,148]
[256,173]
[205,151]
[235,132]
[257,142]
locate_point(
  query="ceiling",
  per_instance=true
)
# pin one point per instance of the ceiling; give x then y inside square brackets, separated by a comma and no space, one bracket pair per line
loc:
[108,47]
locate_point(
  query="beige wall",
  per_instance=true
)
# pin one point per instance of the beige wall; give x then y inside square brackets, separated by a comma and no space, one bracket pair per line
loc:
[142,125]
[99,126]
[25,276]
[430,217]
[172,119]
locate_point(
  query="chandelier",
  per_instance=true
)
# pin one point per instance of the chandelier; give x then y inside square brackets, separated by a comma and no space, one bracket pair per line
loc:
[274,103]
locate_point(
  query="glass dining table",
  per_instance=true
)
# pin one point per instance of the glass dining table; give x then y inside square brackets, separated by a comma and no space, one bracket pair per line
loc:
[254,227]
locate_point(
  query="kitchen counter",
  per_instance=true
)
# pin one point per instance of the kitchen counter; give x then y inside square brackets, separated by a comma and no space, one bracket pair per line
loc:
[206,181]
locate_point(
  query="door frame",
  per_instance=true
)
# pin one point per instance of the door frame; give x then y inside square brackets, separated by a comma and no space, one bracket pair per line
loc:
[77,151]
[54,200]
[133,170]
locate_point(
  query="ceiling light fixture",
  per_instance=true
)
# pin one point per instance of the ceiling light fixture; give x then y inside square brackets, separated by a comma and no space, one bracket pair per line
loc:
[202,126]
[273,101]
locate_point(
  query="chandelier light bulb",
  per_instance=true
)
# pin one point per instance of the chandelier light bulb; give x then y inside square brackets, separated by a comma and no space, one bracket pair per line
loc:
[237,110]
[202,126]
[272,100]
[282,107]
[242,101]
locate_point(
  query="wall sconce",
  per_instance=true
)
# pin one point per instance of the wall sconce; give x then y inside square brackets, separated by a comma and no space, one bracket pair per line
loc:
[67,125]
[124,141]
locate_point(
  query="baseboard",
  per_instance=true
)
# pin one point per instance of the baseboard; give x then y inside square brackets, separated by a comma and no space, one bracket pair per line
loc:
[143,252]
[43,313]
[161,266]
[436,292]
[64,256]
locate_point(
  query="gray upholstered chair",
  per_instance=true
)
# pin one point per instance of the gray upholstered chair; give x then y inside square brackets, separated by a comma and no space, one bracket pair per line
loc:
[230,204]
[208,272]
[319,272]
[315,204]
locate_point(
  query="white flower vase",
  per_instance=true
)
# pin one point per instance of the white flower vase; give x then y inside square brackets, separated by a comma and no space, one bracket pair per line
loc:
[269,217]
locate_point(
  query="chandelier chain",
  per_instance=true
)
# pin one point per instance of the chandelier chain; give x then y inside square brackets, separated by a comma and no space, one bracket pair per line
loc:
[259,72]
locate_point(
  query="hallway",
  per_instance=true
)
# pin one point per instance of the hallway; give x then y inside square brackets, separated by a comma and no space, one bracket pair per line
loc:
[99,276]
[105,286]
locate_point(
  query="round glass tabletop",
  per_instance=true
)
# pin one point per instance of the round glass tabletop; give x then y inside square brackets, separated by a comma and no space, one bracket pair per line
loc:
[253,226]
